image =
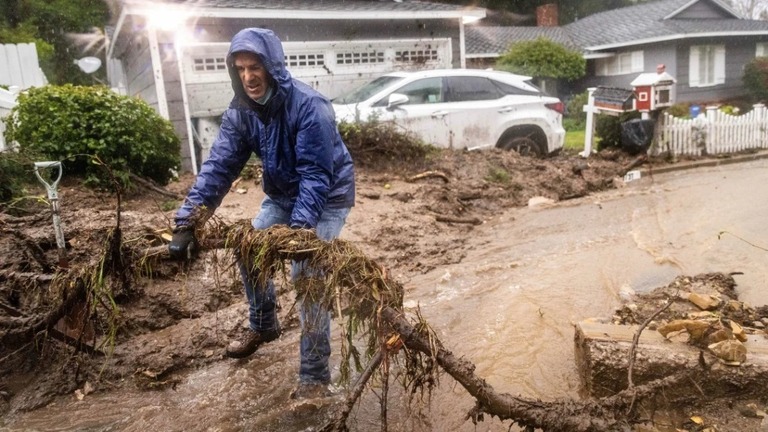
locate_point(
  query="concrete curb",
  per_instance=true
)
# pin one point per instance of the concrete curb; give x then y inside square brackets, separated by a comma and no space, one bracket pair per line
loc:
[646,170]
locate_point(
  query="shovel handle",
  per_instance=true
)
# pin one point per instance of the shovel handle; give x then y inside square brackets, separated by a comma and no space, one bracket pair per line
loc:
[49,187]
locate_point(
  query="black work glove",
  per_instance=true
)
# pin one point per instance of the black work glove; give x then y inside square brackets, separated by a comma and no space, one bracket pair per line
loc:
[183,243]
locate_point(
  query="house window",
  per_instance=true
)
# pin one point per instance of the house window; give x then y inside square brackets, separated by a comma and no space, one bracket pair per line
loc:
[304,60]
[209,64]
[620,64]
[761,49]
[707,65]
[416,56]
[357,58]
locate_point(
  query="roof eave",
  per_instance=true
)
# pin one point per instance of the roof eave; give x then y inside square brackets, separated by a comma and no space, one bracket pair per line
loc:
[483,55]
[678,36]
[208,12]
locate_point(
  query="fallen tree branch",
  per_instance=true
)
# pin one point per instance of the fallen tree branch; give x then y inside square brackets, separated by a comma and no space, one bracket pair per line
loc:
[558,415]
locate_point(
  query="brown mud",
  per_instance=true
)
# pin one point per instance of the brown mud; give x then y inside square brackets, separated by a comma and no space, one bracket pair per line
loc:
[179,317]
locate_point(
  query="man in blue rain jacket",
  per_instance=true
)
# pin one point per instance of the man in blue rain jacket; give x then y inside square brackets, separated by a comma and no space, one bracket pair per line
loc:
[308,178]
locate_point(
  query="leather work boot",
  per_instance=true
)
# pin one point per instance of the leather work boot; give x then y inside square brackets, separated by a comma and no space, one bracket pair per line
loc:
[249,341]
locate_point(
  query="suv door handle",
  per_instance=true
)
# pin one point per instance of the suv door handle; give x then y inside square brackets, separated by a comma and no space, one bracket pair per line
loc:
[439,114]
[506,110]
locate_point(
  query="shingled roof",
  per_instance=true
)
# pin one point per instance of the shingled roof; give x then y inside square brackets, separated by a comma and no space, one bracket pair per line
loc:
[493,41]
[642,23]
[309,5]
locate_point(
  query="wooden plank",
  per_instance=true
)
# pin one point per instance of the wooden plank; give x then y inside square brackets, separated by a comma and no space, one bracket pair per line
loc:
[602,357]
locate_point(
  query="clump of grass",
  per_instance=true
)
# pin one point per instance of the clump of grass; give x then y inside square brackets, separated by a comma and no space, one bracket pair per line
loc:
[498,175]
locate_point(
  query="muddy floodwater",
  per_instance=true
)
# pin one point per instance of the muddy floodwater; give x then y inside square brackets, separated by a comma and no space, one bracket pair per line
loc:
[508,306]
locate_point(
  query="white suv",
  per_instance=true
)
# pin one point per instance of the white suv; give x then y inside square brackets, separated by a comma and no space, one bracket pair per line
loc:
[462,108]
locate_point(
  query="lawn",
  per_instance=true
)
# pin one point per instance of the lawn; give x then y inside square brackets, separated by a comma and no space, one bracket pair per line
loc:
[574,140]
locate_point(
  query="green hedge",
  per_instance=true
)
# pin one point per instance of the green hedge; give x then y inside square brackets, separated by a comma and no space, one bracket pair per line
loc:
[75,123]
[756,79]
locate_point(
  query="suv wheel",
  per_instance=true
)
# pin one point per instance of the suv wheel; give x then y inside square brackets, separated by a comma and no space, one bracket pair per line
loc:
[523,145]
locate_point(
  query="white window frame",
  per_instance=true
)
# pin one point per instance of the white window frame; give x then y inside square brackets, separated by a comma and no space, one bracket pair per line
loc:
[761,49]
[706,67]
[623,63]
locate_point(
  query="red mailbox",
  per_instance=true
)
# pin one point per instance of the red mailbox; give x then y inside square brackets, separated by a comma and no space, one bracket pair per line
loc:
[654,90]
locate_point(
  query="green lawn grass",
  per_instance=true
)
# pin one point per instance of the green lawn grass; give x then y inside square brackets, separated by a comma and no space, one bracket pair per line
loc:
[574,140]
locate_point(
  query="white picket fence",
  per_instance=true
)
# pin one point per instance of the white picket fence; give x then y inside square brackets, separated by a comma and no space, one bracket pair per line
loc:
[712,132]
[19,70]
[7,102]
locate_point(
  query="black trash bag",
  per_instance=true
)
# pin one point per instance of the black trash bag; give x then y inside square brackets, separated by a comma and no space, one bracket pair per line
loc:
[636,135]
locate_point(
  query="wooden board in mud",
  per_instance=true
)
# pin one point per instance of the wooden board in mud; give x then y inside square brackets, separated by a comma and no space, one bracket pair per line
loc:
[602,357]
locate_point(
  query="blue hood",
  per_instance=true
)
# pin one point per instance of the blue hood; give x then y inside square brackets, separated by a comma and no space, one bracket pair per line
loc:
[268,47]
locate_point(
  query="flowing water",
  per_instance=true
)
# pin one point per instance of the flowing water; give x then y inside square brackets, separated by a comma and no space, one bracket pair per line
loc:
[509,307]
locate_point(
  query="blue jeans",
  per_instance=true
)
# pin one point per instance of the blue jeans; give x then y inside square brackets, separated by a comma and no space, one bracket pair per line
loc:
[315,348]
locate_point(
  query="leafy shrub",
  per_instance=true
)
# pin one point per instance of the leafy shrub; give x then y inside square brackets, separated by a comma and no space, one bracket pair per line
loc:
[543,58]
[575,117]
[76,124]
[680,110]
[730,109]
[756,79]
[15,173]
[608,128]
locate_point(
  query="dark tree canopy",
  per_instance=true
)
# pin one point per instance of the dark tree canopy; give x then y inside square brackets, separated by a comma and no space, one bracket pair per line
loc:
[47,23]
[569,10]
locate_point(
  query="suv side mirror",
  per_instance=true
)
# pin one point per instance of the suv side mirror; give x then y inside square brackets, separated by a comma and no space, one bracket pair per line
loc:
[396,99]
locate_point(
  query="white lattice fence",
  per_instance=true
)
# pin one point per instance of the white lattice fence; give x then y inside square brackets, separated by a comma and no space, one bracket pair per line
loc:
[715,132]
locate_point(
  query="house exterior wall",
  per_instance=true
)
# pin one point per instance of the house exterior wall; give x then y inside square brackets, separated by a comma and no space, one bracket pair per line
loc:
[676,58]
[702,10]
[173,94]
[653,55]
[738,52]
[294,30]
[137,66]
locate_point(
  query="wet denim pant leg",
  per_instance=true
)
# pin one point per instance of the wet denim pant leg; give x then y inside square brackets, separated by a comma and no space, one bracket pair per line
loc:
[315,347]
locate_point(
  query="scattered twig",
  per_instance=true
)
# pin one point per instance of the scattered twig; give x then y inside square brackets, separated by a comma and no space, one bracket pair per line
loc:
[722,233]
[451,219]
[635,162]
[37,277]
[235,183]
[340,417]
[148,184]
[635,341]
[428,174]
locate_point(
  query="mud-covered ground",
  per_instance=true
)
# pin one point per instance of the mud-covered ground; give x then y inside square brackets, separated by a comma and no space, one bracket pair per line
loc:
[409,217]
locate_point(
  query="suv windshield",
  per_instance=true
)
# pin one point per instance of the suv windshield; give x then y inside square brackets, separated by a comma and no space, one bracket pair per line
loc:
[367,90]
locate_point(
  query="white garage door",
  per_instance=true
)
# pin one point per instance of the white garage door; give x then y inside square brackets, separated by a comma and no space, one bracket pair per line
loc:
[333,68]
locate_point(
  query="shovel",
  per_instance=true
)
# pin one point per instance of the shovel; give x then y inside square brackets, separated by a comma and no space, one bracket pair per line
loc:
[74,326]
[53,197]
